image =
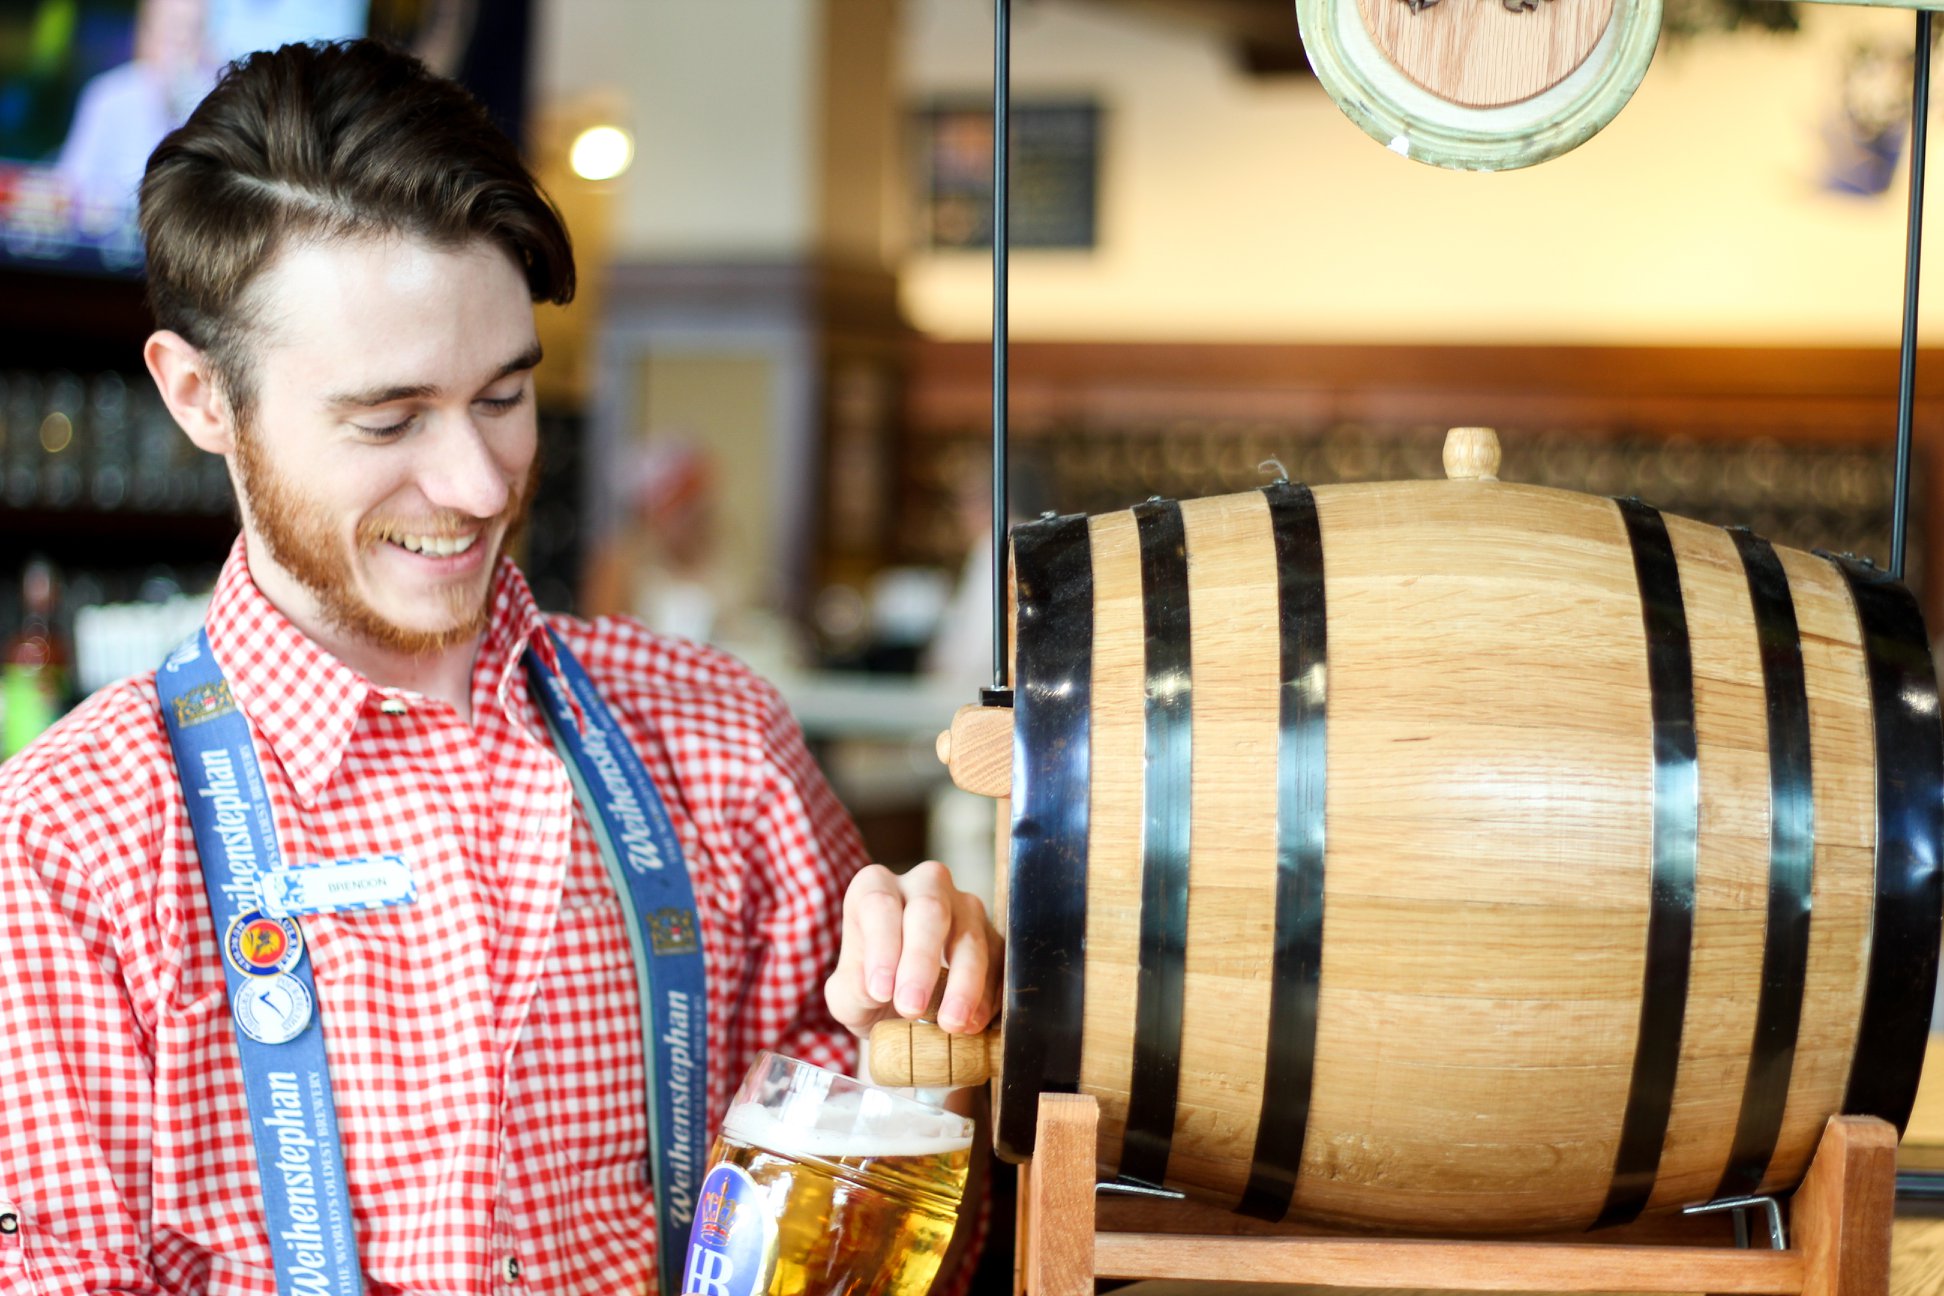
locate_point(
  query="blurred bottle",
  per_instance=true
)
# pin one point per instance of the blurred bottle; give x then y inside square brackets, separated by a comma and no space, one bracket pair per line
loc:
[20,468]
[107,436]
[153,438]
[34,666]
[63,452]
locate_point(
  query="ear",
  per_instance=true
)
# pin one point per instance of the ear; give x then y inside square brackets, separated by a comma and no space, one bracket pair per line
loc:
[188,385]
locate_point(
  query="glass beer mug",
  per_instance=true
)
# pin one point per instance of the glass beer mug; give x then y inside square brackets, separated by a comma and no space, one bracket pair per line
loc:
[822,1185]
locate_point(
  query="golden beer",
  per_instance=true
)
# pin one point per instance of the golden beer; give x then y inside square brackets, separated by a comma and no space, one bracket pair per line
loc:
[853,1194]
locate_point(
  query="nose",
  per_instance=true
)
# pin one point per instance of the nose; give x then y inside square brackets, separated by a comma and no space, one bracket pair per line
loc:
[466,471]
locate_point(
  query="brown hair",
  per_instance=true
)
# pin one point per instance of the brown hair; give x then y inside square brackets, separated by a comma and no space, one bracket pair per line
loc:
[328,140]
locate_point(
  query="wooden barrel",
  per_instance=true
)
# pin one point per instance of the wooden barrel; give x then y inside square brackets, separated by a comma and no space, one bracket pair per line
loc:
[1462,856]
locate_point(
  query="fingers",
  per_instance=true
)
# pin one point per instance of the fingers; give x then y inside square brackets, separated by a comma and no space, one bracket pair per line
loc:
[928,913]
[859,992]
[972,981]
[947,929]
[876,904]
[900,932]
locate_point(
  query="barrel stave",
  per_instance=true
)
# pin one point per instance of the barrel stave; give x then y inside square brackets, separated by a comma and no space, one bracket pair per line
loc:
[1113,844]
[1731,883]
[1472,855]
[1843,759]
[1232,855]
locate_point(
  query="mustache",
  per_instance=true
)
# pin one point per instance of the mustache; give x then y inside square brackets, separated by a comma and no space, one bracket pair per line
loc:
[451,524]
[439,526]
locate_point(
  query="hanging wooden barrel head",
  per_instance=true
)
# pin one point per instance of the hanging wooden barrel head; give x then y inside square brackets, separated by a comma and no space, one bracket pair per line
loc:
[1462,856]
[1480,85]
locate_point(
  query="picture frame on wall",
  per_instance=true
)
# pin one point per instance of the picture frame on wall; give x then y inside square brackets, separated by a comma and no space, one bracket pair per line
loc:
[1056,146]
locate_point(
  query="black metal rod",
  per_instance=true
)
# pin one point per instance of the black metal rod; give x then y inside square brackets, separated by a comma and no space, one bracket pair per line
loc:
[1001,240]
[1913,248]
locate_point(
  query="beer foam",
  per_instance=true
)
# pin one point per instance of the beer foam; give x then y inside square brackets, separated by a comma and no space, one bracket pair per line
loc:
[838,1128]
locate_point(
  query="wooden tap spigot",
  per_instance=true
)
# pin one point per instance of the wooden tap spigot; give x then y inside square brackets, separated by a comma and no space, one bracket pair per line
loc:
[920,1054]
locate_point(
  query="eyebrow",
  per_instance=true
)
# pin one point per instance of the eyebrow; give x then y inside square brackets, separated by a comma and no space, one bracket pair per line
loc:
[527,359]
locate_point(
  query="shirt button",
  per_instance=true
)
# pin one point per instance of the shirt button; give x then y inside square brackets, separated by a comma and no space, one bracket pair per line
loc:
[9,1220]
[510,1268]
[394,706]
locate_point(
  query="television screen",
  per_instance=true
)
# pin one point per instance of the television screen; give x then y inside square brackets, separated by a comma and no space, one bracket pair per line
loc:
[87,90]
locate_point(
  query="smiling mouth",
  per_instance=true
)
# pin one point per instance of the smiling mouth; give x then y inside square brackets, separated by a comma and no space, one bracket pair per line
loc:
[434,546]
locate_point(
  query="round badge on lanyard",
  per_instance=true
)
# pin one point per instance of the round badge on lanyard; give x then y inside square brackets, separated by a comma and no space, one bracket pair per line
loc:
[272,1010]
[258,945]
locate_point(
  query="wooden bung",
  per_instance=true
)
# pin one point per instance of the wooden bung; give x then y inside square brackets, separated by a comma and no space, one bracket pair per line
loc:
[1471,454]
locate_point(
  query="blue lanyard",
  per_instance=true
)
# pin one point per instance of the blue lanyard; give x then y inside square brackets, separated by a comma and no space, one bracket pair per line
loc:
[644,861]
[273,996]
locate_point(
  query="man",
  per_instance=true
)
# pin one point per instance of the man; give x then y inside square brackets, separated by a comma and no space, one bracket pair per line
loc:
[343,256]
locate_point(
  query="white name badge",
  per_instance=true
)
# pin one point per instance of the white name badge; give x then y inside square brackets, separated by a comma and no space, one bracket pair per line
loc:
[332,886]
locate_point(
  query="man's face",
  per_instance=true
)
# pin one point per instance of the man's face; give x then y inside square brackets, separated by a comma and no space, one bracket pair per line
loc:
[388,452]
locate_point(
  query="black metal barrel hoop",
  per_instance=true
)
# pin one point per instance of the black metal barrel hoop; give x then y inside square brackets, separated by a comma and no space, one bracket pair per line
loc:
[1046,909]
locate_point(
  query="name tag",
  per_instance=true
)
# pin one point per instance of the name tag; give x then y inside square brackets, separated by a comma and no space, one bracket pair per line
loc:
[332,886]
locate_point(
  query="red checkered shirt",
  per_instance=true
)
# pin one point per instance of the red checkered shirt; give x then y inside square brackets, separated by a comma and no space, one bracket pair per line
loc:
[484,1045]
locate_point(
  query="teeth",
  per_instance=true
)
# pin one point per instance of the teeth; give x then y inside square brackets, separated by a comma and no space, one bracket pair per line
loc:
[436,546]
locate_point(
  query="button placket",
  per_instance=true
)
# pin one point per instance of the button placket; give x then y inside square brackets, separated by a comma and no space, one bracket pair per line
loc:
[510,1269]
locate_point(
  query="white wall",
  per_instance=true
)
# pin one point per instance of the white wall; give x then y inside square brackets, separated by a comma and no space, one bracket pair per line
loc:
[720,95]
[1246,209]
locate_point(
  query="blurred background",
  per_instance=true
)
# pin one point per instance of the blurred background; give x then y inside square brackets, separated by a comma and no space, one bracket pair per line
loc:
[765,418]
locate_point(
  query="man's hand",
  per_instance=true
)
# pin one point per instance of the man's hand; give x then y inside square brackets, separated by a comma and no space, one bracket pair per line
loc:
[898,931]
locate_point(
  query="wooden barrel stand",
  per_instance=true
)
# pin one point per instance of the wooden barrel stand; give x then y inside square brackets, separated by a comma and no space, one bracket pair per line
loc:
[1839,1235]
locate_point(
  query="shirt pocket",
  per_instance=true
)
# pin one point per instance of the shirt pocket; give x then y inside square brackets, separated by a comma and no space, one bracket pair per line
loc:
[407,999]
[583,1046]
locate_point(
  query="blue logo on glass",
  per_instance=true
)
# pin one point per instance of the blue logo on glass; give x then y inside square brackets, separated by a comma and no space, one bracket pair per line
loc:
[729,1252]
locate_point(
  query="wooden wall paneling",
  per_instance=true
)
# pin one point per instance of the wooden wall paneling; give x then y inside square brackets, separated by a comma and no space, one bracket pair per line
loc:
[1800,436]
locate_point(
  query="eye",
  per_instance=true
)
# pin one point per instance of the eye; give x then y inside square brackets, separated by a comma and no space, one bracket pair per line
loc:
[501,404]
[383,431]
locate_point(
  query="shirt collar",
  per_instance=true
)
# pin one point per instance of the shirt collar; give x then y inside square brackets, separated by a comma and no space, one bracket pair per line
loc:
[305,704]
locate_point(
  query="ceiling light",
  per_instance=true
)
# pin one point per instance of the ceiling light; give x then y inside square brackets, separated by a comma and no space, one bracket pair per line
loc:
[601,152]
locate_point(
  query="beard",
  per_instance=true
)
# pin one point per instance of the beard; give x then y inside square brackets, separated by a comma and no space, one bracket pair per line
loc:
[301,537]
